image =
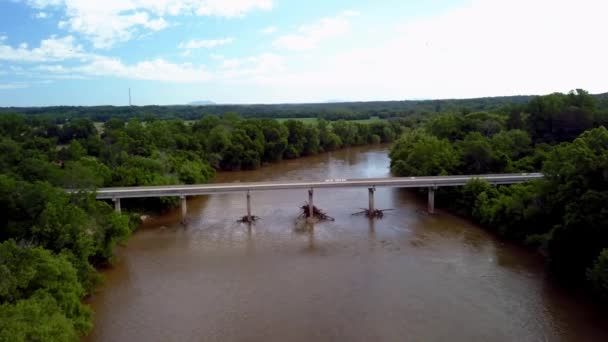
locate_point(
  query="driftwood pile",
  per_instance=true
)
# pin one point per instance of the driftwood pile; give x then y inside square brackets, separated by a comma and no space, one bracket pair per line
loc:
[372,214]
[248,219]
[316,213]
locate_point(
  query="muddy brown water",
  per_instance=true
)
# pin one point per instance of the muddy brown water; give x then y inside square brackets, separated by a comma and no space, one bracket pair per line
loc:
[406,277]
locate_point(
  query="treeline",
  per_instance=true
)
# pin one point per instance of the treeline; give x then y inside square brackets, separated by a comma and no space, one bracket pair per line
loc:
[565,214]
[327,111]
[51,242]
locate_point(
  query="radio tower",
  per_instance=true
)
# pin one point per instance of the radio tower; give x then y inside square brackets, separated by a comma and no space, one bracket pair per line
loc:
[130,97]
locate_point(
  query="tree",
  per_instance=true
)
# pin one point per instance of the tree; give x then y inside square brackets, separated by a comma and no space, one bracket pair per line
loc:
[346,131]
[27,271]
[219,140]
[296,139]
[37,318]
[576,243]
[514,143]
[479,157]
[448,126]
[74,151]
[467,204]
[327,138]
[417,153]
[516,211]
[558,117]
[312,144]
[598,275]
[275,136]
[81,128]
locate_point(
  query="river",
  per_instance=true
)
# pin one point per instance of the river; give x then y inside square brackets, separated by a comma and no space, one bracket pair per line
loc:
[406,277]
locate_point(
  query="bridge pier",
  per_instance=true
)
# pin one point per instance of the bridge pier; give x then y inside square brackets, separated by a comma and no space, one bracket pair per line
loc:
[117,205]
[431,202]
[372,207]
[184,208]
[248,206]
[311,212]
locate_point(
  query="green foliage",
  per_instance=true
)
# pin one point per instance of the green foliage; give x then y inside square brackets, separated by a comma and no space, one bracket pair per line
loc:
[448,126]
[479,156]
[275,135]
[80,128]
[582,235]
[515,143]
[417,153]
[74,151]
[35,273]
[515,211]
[559,117]
[469,203]
[598,275]
[37,318]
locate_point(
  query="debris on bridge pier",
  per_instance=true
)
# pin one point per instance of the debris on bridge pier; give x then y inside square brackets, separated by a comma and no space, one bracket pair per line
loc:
[376,213]
[316,213]
[248,219]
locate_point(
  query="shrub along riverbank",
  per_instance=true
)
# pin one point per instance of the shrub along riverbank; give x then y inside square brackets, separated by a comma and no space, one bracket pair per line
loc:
[52,242]
[565,214]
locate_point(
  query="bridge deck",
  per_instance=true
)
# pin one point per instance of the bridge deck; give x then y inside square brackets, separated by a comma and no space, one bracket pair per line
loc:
[399,182]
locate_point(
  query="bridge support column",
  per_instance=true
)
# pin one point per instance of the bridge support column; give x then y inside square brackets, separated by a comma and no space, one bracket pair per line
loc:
[311,212]
[431,204]
[372,207]
[117,205]
[184,208]
[248,206]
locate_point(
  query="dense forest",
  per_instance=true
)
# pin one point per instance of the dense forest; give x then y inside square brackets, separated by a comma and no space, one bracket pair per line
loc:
[52,242]
[327,111]
[565,214]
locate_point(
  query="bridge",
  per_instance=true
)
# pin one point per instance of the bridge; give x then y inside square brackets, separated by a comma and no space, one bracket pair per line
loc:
[429,182]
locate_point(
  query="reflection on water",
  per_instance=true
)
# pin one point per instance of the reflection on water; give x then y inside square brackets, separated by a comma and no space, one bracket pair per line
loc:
[408,276]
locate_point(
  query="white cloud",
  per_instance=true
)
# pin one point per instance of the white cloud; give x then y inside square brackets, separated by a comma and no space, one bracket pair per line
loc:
[52,68]
[232,8]
[14,85]
[153,70]
[50,49]
[109,22]
[486,48]
[269,30]
[41,15]
[247,69]
[204,43]
[250,69]
[21,85]
[105,25]
[310,36]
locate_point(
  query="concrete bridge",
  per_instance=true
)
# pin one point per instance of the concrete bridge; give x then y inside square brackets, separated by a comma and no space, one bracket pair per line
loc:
[431,183]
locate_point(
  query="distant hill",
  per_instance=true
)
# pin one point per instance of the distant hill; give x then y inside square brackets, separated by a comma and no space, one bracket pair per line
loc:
[201,103]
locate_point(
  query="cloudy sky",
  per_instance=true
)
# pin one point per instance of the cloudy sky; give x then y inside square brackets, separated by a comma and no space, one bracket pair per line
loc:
[90,52]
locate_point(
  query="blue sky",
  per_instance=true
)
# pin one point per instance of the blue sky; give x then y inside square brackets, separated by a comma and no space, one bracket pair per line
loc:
[88,52]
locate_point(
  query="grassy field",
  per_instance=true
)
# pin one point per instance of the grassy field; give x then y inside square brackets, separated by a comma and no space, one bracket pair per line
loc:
[99,125]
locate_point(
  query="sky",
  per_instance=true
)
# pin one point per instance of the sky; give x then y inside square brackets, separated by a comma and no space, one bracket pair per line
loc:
[91,52]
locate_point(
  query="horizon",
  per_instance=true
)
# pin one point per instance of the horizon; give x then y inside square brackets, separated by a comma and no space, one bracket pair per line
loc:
[330,102]
[244,52]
